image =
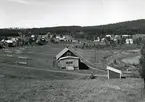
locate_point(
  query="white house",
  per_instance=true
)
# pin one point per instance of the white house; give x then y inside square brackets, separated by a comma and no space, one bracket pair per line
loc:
[97,40]
[129,41]
[60,37]
[113,73]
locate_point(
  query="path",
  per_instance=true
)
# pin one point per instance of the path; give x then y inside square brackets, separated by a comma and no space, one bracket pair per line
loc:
[50,70]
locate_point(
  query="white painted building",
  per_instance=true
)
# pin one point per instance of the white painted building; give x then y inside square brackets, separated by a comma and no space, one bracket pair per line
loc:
[113,73]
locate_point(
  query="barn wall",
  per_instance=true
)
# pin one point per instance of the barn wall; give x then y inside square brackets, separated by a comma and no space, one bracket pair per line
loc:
[83,66]
[65,62]
[113,74]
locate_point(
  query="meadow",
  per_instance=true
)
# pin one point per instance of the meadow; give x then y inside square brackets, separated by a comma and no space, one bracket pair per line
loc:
[97,90]
[39,81]
[41,58]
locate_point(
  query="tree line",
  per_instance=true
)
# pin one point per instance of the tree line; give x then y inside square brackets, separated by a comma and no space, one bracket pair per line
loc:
[88,32]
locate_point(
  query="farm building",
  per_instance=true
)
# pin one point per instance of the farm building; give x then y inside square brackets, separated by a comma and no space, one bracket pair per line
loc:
[113,73]
[129,41]
[68,38]
[60,37]
[70,60]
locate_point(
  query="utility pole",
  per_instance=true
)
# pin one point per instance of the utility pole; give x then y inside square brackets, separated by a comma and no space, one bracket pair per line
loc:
[95,56]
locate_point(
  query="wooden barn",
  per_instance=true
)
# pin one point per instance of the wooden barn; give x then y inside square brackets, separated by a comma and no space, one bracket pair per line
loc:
[68,59]
[113,73]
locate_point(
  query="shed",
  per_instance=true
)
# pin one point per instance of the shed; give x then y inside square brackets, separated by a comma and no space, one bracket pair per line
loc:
[70,60]
[113,73]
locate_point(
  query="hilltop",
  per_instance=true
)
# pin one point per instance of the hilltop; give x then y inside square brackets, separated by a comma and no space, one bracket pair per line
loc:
[127,27]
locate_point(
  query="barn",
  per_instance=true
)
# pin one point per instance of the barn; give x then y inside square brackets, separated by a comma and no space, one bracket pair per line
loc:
[113,73]
[68,59]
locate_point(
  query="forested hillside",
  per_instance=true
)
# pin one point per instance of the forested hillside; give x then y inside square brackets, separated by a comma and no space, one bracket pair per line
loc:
[128,27]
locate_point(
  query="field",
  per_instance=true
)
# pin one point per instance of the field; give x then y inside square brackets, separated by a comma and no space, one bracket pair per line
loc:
[40,58]
[97,90]
[39,81]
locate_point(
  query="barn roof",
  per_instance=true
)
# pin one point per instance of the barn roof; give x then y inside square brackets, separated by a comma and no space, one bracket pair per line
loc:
[114,69]
[71,50]
[68,57]
[61,53]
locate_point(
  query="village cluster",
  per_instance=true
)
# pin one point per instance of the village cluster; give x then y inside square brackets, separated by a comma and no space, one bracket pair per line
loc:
[17,39]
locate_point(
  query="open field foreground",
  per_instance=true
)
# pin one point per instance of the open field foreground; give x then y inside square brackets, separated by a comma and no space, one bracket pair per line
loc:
[97,90]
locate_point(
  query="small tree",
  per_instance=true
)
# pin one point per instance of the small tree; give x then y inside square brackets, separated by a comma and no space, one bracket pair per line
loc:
[142,63]
[92,76]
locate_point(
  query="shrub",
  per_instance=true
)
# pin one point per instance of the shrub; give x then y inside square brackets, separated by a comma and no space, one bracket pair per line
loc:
[142,63]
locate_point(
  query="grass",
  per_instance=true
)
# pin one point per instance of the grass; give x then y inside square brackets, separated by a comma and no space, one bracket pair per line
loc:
[42,56]
[97,90]
[22,84]
[20,72]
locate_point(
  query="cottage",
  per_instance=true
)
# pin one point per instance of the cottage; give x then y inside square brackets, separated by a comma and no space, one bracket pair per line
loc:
[129,41]
[113,73]
[68,38]
[70,60]
[97,40]
[60,37]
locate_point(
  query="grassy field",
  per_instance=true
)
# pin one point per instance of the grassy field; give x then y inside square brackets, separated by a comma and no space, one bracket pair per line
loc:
[41,57]
[97,90]
[38,81]
[37,55]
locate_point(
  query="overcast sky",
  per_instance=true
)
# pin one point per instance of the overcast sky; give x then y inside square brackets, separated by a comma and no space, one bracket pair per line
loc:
[48,13]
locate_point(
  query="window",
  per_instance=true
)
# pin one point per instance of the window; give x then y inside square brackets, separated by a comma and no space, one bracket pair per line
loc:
[68,54]
[70,62]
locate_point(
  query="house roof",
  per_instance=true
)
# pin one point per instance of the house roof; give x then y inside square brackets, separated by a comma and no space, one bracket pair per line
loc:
[68,37]
[113,69]
[68,57]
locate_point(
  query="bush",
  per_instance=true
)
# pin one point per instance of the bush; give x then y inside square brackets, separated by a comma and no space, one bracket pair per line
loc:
[142,63]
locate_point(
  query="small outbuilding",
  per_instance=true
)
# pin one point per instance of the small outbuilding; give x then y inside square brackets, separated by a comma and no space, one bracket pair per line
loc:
[113,73]
[68,59]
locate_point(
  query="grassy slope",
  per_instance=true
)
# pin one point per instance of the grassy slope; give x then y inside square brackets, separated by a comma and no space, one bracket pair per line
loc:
[20,72]
[97,90]
[43,56]
[19,86]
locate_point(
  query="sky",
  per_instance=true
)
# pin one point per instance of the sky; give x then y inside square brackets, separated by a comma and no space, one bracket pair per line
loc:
[50,13]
